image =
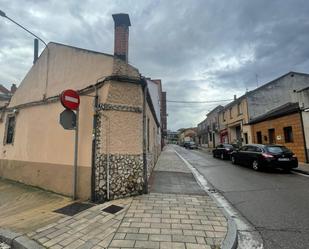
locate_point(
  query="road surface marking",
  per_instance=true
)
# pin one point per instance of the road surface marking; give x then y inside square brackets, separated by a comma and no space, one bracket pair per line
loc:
[297,173]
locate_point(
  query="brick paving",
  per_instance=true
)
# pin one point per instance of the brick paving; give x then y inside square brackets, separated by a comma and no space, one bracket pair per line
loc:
[154,221]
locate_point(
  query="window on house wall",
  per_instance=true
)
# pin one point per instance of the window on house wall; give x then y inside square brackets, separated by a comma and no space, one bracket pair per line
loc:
[10,130]
[231,113]
[210,137]
[271,135]
[259,137]
[239,109]
[246,138]
[288,134]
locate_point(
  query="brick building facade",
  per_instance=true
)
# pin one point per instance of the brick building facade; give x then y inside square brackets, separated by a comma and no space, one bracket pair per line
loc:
[281,126]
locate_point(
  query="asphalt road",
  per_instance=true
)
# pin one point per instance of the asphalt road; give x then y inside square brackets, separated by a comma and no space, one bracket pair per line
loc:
[276,203]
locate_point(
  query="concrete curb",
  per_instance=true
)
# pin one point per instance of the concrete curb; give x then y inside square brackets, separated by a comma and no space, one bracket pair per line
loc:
[300,171]
[231,239]
[17,240]
[240,233]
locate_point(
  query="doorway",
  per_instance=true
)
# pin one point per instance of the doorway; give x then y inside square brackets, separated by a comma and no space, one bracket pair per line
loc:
[271,136]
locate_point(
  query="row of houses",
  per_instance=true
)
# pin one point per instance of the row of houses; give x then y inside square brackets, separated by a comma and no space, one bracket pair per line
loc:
[274,113]
[122,116]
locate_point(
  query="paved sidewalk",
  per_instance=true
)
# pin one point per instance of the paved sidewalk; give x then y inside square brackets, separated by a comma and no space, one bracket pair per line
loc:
[161,220]
[303,167]
[24,208]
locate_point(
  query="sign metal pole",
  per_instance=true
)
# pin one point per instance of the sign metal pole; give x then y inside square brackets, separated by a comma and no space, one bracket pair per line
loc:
[75,156]
[70,100]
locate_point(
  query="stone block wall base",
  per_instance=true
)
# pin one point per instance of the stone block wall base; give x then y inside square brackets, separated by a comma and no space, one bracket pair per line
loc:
[125,176]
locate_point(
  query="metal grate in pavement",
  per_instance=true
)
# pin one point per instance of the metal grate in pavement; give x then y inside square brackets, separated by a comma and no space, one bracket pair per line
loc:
[112,209]
[74,208]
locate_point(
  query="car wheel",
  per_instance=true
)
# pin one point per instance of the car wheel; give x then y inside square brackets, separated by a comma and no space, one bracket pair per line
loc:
[255,165]
[233,159]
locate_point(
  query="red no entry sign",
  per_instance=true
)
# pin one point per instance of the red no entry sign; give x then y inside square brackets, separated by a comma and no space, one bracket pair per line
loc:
[70,99]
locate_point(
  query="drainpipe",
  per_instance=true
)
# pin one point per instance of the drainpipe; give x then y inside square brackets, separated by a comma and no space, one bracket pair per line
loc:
[107,156]
[94,142]
[304,137]
[145,175]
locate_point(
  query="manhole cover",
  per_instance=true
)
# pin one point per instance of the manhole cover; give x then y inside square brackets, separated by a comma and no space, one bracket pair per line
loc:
[74,208]
[112,209]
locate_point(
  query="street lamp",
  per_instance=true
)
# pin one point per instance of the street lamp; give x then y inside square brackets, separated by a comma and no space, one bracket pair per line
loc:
[2,13]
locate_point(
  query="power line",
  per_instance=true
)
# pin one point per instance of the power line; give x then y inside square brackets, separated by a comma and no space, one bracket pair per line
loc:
[197,102]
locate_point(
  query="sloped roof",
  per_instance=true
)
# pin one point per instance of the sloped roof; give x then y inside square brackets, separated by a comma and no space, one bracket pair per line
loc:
[263,86]
[217,108]
[61,67]
[4,89]
[280,111]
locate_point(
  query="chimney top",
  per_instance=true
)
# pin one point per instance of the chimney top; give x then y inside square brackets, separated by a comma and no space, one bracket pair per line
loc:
[13,88]
[122,19]
[121,43]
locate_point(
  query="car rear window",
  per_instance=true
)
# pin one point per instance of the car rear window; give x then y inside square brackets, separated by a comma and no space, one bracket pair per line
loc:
[277,149]
[228,146]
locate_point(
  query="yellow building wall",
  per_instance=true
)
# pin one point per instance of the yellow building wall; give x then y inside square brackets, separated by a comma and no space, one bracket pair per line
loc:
[293,120]
[230,118]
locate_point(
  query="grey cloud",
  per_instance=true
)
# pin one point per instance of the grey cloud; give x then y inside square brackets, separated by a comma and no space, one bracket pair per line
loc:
[201,49]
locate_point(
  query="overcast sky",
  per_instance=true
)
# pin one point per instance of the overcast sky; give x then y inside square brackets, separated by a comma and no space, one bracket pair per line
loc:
[203,50]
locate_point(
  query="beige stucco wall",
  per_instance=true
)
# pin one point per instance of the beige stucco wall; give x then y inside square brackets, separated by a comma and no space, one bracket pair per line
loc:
[247,129]
[68,68]
[121,132]
[40,138]
[154,148]
[235,116]
[42,153]
[231,120]
[125,93]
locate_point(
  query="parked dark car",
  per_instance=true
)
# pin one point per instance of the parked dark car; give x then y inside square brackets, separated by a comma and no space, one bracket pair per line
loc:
[190,145]
[223,151]
[260,156]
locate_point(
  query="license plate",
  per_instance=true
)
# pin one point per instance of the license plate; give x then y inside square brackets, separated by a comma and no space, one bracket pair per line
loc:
[283,159]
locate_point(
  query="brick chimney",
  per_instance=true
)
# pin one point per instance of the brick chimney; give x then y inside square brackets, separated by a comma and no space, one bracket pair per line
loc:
[13,88]
[121,44]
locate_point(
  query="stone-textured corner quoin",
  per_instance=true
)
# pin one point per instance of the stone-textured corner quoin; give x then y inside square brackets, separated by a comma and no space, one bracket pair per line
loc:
[125,176]
[125,171]
[124,108]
